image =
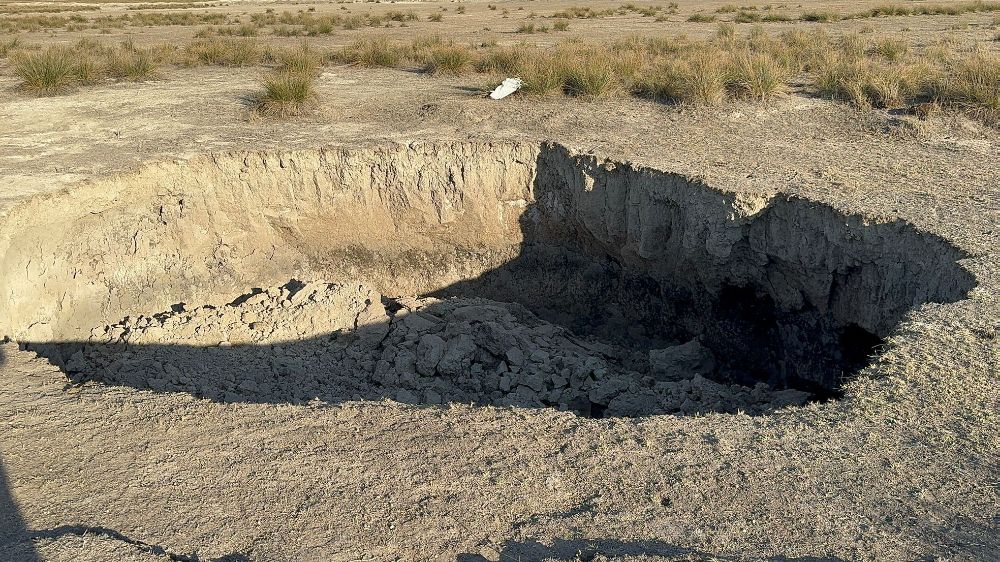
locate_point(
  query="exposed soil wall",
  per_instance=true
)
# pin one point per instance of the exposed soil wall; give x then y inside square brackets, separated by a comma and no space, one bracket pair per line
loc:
[788,292]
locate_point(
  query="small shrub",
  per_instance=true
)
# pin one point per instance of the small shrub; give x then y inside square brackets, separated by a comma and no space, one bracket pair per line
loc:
[701,18]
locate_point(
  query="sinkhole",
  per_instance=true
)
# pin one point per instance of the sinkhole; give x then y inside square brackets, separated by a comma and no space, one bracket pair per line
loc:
[502,274]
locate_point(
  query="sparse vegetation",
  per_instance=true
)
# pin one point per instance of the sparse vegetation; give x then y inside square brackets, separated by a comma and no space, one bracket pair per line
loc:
[46,72]
[8,45]
[128,62]
[286,93]
[448,59]
[757,76]
[974,85]
[860,68]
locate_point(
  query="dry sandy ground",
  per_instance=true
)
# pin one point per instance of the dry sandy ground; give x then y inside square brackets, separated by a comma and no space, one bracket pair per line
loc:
[904,468]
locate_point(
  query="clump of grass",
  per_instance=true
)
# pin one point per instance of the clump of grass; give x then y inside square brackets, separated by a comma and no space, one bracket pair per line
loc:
[8,45]
[88,69]
[560,25]
[820,16]
[862,82]
[543,73]
[501,60]
[725,32]
[128,62]
[285,94]
[701,18]
[399,16]
[227,52]
[592,74]
[744,16]
[756,76]
[448,59]
[697,79]
[974,85]
[47,72]
[890,48]
[302,59]
[435,17]
[377,52]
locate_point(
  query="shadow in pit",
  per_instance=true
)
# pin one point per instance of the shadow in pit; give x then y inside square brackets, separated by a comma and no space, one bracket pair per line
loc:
[784,291]
[588,550]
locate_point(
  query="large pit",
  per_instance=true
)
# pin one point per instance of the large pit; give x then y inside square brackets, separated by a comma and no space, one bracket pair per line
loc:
[482,273]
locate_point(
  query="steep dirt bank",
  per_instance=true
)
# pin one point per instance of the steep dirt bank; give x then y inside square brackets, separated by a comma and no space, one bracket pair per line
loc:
[782,292]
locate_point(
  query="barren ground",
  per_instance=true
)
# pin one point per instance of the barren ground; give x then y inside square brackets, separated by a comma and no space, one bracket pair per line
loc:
[904,467]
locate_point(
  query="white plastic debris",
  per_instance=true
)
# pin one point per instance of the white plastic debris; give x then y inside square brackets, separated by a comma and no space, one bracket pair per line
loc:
[506,88]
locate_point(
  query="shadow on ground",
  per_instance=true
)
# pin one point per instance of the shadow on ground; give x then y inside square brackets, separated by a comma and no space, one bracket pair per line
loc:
[587,550]
[17,541]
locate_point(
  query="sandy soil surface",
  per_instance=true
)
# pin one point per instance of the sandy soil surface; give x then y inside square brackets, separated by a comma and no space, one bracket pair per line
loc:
[903,468]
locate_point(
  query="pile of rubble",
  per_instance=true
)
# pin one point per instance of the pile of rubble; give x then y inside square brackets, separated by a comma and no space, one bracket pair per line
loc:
[336,342]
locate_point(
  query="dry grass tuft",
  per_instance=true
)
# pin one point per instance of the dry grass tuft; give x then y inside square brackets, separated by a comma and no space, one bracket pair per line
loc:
[448,59]
[9,45]
[974,85]
[286,94]
[47,72]
[543,73]
[592,74]
[128,62]
[756,76]
[377,52]
[227,52]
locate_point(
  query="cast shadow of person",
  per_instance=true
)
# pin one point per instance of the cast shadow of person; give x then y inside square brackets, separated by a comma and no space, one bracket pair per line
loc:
[588,550]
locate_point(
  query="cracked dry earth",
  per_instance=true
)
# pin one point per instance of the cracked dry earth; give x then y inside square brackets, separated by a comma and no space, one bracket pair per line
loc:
[507,349]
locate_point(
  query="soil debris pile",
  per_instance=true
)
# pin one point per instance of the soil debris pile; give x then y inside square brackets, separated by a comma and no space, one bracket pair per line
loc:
[345,341]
